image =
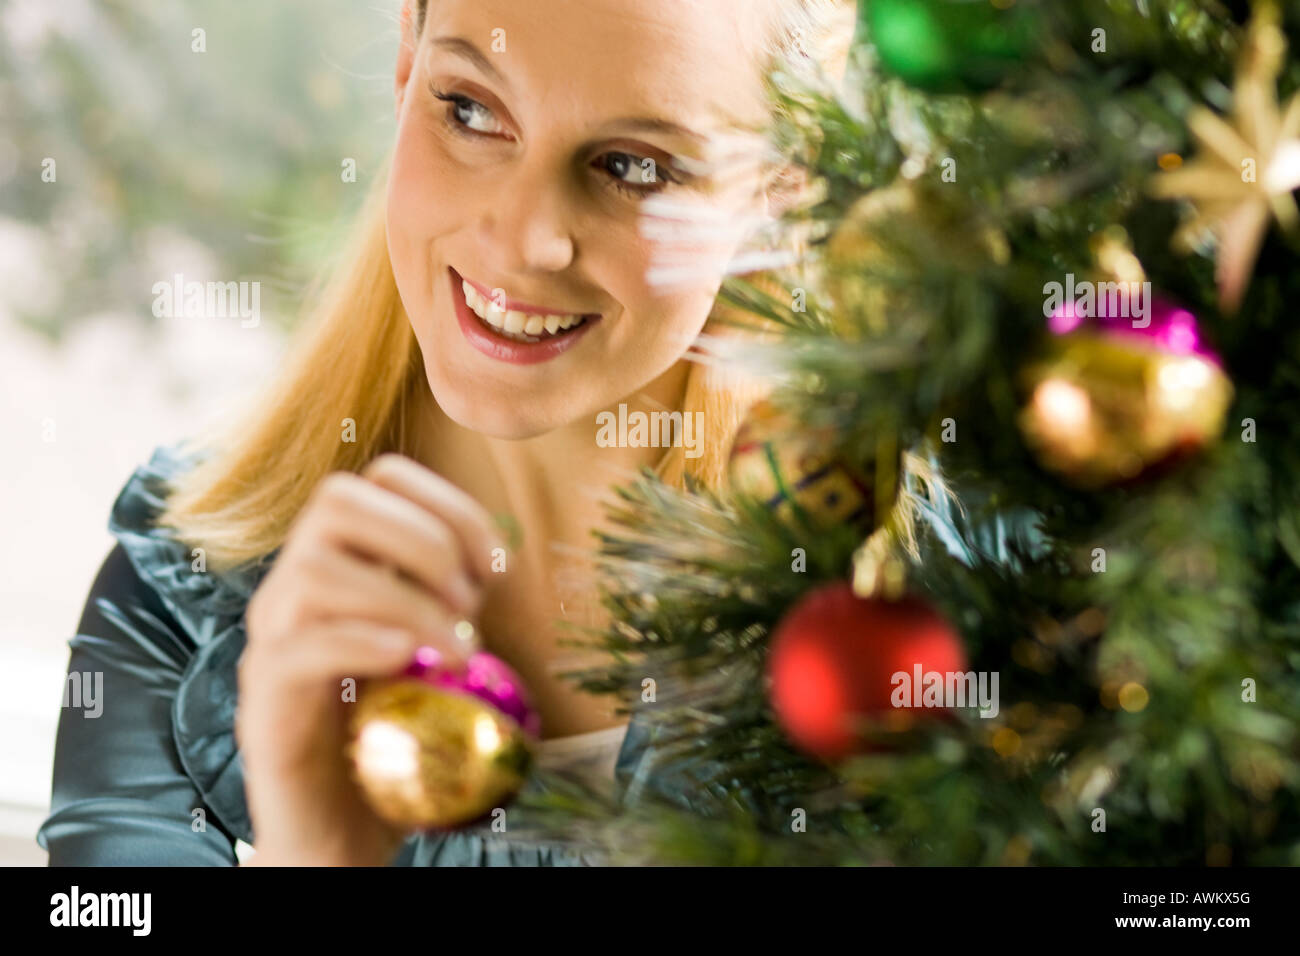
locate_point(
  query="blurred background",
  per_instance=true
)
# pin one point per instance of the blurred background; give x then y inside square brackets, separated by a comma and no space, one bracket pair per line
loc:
[138,141]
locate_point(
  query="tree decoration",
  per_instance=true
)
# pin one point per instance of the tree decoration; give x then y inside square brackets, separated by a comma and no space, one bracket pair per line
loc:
[1112,398]
[948,46]
[794,470]
[869,255]
[836,661]
[1248,167]
[437,748]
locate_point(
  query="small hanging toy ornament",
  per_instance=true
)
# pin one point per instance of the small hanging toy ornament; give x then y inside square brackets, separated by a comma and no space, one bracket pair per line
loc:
[948,46]
[839,662]
[790,467]
[869,264]
[436,748]
[1248,168]
[1115,397]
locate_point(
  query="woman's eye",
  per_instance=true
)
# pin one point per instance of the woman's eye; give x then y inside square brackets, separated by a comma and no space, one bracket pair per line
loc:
[630,170]
[471,114]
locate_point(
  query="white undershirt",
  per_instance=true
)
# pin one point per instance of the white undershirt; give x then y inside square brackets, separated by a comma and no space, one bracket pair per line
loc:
[592,754]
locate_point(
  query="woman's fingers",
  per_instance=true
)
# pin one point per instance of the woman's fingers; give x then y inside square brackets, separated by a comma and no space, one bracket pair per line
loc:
[398,547]
[468,519]
[391,530]
[344,586]
[340,647]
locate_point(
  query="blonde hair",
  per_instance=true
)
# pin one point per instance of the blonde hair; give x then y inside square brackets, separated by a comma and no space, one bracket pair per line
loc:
[357,358]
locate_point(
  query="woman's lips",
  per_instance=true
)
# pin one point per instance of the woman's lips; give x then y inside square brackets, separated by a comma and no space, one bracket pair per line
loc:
[496,345]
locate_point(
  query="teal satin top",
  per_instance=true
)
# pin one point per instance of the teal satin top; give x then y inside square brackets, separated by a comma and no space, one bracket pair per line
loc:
[157,780]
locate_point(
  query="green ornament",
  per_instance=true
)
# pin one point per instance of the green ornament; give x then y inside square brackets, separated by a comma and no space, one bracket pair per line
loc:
[949,46]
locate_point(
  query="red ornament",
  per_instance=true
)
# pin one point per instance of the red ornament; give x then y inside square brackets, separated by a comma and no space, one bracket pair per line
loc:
[834,658]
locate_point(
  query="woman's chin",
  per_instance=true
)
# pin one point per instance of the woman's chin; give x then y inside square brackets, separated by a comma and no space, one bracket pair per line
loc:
[484,415]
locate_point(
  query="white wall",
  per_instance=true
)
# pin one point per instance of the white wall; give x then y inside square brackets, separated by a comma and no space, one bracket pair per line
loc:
[111,393]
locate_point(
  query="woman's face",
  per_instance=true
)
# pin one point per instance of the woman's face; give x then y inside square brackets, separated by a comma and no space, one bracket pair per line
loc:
[530,136]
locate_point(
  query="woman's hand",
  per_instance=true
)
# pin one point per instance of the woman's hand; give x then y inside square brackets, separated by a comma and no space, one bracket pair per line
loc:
[332,608]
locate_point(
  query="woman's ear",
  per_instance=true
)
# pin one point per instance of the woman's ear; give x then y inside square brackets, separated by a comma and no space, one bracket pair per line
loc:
[405,53]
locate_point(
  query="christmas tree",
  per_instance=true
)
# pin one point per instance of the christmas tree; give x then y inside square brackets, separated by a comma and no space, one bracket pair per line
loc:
[1035,427]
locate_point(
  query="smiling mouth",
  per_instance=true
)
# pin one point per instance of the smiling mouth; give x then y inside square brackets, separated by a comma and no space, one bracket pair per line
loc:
[518,325]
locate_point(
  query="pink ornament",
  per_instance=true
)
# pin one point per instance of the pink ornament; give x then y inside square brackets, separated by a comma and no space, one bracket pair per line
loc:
[1167,327]
[489,678]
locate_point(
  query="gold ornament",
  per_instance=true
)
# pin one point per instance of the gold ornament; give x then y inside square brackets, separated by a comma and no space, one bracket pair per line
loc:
[428,757]
[1114,257]
[878,568]
[1247,168]
[866,270]
[1103,410]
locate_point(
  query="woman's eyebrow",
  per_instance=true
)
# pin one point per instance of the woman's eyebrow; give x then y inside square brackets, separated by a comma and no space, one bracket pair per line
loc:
[467,50]
[653,125]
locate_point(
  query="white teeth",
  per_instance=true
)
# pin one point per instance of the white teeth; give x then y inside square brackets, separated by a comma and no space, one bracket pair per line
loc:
[512,323]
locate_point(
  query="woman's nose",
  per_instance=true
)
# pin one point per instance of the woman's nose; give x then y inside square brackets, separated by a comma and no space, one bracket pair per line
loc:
[526,227]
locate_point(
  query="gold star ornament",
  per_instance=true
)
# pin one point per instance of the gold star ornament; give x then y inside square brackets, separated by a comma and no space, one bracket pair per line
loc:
[1248,164]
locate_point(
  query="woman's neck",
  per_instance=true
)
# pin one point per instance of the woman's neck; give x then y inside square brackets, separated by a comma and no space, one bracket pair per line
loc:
[549,483]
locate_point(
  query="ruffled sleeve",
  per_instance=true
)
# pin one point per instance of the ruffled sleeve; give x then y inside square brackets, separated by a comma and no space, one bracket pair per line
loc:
[149,776]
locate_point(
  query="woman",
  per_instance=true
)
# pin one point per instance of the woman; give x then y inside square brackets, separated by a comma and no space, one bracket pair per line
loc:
[498,300]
